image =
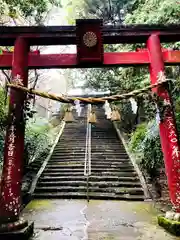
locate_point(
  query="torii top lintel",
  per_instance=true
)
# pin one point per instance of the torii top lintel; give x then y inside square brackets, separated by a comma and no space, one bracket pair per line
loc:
[89,36]
[67,35]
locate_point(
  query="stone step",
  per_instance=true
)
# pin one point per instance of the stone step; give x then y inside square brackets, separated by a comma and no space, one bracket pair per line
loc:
[83,136]
[93,158]
[100,173]
[81,160]
[113,175]
[100,152]
[94,147]
[100,183]
[106,164]
[103,149]
[83,195]
[99,146]
[108,154]
[117,190]
[94,167]
[93,151]
[74,152]
[77,142]
[92,178]
[72,143]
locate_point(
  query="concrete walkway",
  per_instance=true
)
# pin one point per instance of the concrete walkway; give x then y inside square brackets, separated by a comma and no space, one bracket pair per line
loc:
[99,220]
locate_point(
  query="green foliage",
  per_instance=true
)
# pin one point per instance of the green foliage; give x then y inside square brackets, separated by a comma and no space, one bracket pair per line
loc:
[1,147]
[156,12]
[110,11]
[153,11]
[177,105]
[127,116]
[145,140]
[74,9]
[138,136]
[3,121]
[39,134]
[3,109]
[153,156]
[177,114]
[29,8]
[37,138]
[136,12]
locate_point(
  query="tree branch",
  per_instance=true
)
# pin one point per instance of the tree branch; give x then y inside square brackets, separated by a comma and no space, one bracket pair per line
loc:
[8,78]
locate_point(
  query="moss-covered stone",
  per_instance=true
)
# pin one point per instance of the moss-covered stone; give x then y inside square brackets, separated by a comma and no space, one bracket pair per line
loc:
[39,204]
[170,225]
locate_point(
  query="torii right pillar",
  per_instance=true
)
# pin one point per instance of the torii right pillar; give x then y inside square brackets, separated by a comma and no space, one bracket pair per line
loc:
[167,127]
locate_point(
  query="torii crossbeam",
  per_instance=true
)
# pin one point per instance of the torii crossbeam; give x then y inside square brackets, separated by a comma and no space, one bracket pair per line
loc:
[89,36]
[115,59]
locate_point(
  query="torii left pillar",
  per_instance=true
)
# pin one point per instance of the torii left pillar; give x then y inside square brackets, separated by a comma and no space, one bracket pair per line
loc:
[11,225]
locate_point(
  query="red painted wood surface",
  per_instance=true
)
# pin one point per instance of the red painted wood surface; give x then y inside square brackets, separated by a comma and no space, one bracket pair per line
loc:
[168,132]
[10,201]
[41,61]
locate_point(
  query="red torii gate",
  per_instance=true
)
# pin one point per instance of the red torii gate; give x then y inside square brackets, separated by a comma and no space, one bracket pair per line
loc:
[89,36]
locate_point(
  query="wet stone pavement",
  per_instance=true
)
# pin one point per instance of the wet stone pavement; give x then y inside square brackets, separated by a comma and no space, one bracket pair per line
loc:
[97,220]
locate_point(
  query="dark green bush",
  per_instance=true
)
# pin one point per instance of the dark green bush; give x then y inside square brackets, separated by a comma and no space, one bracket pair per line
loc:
[127,116]
[3,120]
[39,134]
[37,138]
[1,148]
[152,159]
[177,115]
[145,140]
[3,109]
[138,136]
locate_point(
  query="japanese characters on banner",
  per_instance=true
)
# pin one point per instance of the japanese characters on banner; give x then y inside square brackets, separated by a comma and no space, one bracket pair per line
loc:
[12,202]
[175,154]
[173,161]
[10,153]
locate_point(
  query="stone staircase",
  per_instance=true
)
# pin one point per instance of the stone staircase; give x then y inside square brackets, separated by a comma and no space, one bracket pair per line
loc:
[113,176]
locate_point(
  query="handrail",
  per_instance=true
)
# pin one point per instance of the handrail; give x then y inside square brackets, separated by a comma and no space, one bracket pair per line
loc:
[86,149]
[89,150]
[87,160]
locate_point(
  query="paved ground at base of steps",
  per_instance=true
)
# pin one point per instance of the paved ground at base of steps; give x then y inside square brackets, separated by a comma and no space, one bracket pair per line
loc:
[97,220]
